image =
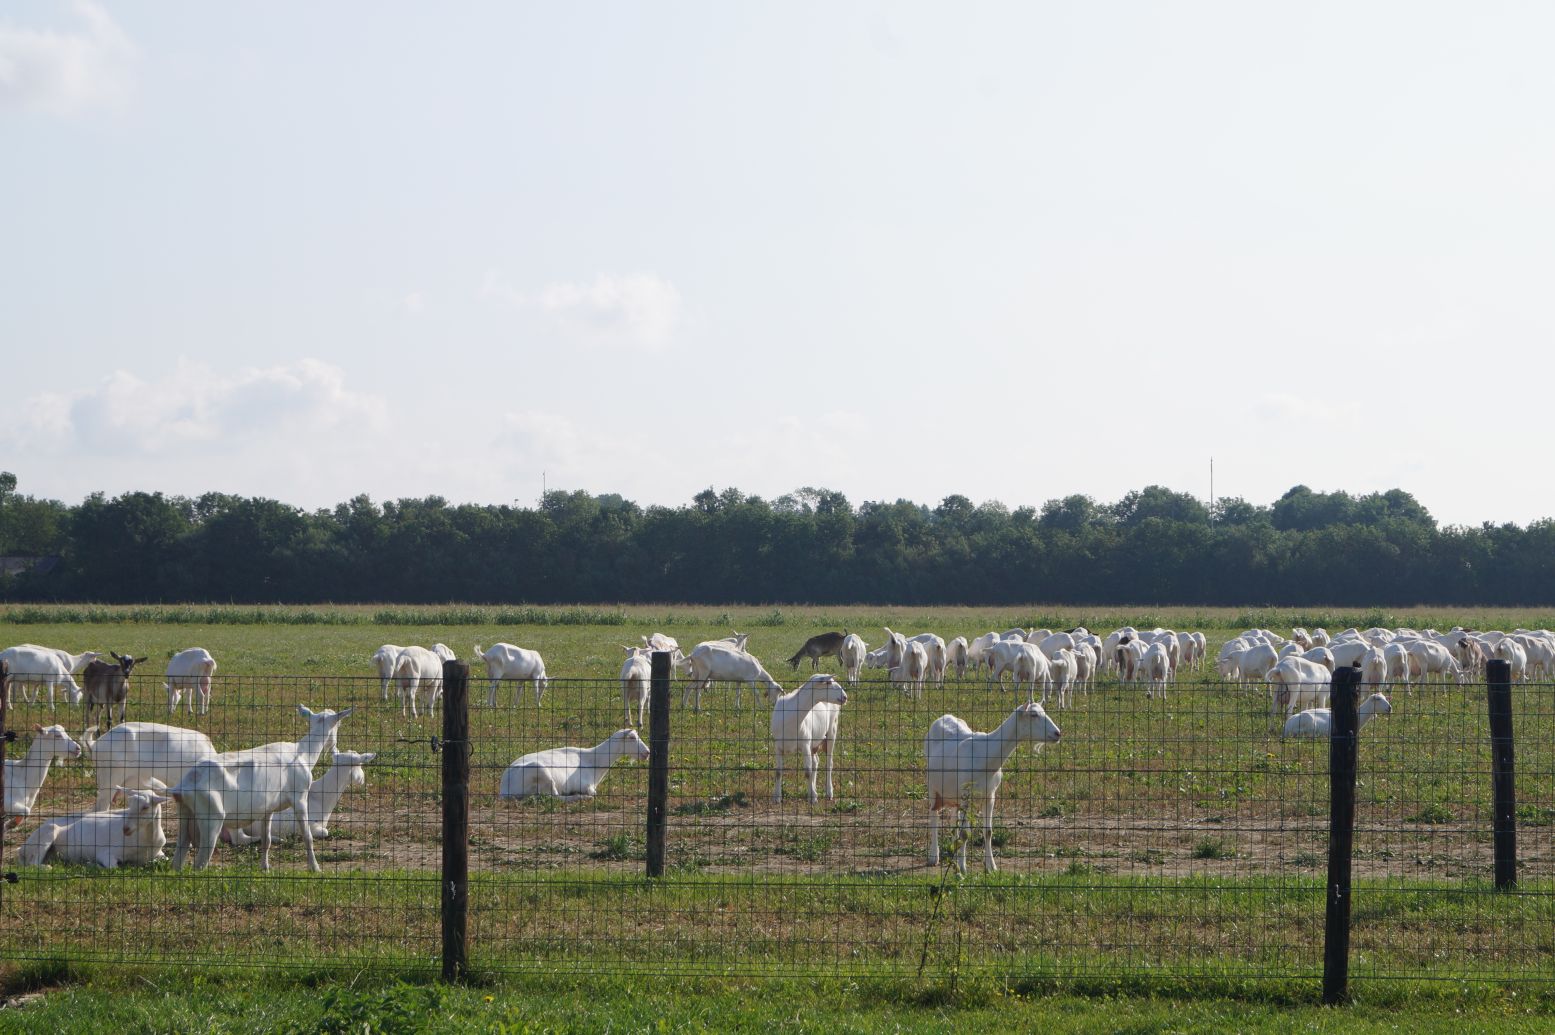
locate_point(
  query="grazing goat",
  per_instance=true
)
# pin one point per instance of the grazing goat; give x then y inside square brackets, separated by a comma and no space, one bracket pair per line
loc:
[132,834]
[1319,722]
[235,788]
[143,754]
[1296,683]
[415,668]
[24,776]
[817,647]
[963,765]
[956,656]
[35,668]
[712,661]
[104,686]
[190,670]
[570,773]
[806,722]
[505,661]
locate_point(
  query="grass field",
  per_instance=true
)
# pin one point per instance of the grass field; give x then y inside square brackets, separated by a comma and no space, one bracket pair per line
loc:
[1175,841]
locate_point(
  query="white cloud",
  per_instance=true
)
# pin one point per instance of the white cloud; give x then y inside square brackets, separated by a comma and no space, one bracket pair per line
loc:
[640,310]
[195,411]
[66,72]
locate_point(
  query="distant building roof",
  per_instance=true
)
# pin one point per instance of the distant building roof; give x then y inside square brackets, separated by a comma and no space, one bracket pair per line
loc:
[23,565]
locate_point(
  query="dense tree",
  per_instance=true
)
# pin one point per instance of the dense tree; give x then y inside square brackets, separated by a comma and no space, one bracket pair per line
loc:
[1153,546]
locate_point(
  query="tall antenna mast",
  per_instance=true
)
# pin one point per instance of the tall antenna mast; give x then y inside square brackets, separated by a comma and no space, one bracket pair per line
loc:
[1212,486]
[542,486]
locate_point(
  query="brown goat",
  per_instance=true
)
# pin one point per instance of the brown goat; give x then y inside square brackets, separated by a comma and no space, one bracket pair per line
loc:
[818,647]
[104,685]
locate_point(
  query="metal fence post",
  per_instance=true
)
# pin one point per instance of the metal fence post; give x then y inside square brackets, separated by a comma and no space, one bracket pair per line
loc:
[456,818]
[658,758]
[1341,834]
[1498,687]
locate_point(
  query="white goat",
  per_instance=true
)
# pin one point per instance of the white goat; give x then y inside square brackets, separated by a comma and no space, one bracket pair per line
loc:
[24,776]
[414,669]
[384,659]
[35,668]
[1032,668]
[236,788]
[134,754]
[1296,683]
[505,661]
[1374,669]
[323,796]
[956,656]
[976,650]
[854,651]
[1318,722]
[806,721]
[636,678]
[1156,668]
[1433,660]
[1064,667]
[937,657]
[570,773]
[712,661]
[132,834]
[963,766]
[190,670]
[913,668]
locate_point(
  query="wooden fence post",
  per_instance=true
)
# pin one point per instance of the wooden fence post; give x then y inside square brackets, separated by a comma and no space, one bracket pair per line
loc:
[1341,834]
[5,696]
[1498,687]
[658,758]
[456,818]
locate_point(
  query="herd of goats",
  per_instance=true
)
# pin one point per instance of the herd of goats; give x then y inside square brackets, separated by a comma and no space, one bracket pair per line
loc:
[268,792]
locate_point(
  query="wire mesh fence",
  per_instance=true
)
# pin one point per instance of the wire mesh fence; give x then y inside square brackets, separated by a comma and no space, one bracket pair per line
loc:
[1178,834]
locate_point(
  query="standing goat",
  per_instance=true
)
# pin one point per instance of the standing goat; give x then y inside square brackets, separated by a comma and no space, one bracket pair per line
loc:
[105,686]
[806,722]
[964,765]
[238,787]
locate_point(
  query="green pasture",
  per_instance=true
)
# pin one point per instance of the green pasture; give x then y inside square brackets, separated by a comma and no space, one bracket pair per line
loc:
[1180,838]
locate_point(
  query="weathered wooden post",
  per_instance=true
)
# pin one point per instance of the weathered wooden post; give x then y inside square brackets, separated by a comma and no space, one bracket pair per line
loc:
[5,697]
[658,758]
[1341,834]
[1498,686]
[456,818]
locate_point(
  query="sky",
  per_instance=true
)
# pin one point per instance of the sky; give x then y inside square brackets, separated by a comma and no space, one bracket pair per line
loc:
[1013,251]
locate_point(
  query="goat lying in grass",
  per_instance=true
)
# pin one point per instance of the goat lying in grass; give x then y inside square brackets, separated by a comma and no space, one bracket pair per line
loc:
[570,773]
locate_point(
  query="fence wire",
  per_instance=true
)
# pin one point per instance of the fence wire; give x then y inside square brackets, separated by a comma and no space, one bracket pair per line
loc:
[1168,835]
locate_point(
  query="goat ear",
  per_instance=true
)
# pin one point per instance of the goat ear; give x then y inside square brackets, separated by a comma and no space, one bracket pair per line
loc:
[37,727]
[114,655]
[367,758]
[119,794]
[305,711]
[140,661]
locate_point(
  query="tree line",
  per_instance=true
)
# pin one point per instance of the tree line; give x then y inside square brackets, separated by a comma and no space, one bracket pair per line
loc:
[1153,546]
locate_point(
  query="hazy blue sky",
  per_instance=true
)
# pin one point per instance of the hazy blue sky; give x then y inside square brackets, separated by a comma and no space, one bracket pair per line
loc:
[1013,251]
